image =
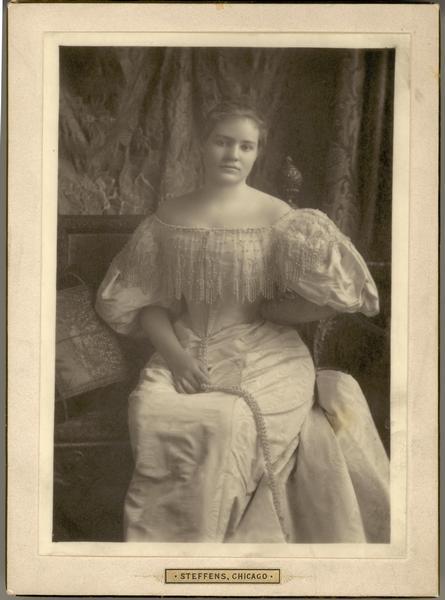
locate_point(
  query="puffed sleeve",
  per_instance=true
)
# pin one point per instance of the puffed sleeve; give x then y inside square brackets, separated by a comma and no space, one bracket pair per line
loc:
[314,259]
[133,281]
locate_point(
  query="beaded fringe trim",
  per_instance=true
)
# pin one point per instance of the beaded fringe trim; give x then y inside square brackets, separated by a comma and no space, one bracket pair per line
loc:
[203,265]
[204,279]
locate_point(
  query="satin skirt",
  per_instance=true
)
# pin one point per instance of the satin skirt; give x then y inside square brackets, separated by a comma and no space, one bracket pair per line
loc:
[200,472]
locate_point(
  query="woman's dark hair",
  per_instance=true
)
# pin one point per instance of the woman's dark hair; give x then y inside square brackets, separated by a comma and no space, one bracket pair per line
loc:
[232,108]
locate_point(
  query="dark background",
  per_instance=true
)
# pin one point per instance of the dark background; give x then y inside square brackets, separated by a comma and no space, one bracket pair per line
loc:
[128,125]
[129,118]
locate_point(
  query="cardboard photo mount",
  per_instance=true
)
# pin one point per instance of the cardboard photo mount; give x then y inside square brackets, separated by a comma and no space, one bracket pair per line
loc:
[35,564]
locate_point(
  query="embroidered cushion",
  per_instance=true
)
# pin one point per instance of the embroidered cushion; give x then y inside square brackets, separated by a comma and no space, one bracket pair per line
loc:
[88,354]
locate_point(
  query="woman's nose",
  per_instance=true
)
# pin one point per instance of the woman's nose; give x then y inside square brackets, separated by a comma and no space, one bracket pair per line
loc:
[233,152]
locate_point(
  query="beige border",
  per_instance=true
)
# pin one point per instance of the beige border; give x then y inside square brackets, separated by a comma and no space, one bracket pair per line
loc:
[396,569]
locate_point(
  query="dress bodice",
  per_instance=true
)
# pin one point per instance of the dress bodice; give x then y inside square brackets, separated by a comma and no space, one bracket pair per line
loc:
[221,275]
[207,319]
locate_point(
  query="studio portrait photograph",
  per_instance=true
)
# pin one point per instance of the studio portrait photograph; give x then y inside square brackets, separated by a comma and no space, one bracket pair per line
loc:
[223,304]
[223,298]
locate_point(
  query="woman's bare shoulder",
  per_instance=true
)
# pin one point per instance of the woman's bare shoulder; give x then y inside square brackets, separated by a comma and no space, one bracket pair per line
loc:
[271,207]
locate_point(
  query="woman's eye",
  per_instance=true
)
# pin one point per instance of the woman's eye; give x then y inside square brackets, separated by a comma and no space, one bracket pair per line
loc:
[246,148]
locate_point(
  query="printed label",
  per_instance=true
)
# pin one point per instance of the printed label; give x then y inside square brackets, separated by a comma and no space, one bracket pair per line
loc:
[222,575]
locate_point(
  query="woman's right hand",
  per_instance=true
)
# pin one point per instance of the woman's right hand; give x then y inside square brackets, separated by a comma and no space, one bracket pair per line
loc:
[188,373]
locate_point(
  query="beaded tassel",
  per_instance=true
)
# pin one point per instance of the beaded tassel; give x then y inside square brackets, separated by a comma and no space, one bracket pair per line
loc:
[260,426]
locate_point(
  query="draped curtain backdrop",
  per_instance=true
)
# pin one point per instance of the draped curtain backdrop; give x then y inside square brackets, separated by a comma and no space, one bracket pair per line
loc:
[129,119]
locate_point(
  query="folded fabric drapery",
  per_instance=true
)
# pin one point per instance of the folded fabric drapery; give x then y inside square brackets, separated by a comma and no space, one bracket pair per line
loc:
[128,121]
[336,484]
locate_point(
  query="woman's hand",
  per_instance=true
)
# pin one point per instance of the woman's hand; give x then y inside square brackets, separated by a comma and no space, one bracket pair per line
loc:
[188,373]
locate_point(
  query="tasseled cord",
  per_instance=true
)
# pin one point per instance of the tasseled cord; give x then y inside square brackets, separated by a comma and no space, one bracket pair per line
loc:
[260,427]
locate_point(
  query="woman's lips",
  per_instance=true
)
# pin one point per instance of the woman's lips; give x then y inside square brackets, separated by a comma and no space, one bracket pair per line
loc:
[230,167]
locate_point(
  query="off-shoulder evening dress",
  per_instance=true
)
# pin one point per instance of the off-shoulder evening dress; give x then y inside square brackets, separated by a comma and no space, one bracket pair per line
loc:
[258,456]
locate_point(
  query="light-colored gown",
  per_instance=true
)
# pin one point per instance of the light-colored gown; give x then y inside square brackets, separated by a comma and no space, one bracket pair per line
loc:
[258,456]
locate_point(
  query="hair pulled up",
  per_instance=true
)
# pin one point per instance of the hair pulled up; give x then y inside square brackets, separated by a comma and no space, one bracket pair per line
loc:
[234,108]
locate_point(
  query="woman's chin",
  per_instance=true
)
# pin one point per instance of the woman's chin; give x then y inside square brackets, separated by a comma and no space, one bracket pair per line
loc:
[227,177]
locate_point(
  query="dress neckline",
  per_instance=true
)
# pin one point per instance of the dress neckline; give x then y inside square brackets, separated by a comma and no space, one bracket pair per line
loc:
[246,228]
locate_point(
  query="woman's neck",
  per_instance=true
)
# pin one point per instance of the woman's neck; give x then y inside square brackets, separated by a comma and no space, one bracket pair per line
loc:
[223,193]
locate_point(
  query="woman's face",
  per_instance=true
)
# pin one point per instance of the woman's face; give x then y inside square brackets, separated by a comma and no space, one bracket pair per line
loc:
[231,149]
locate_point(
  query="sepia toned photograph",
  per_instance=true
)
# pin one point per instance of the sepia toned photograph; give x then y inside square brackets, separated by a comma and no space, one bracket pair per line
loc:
[223,295]
[222,300]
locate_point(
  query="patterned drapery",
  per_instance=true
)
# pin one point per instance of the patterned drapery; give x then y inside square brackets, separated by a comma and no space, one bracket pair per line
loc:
[129,119]
[358,167]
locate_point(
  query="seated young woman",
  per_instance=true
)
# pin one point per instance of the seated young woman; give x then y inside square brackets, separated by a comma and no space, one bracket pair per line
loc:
[229,439]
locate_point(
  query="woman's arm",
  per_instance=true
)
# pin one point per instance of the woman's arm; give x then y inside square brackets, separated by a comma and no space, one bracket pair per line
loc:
[294,310]
[189,375]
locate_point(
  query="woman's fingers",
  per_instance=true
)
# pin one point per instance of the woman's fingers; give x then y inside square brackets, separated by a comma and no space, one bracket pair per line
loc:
[189,387]
[186,384]
[179,387]
[193,380]
[198,379]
